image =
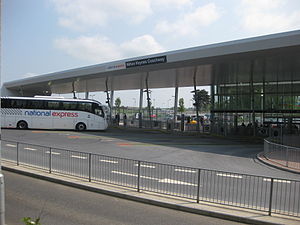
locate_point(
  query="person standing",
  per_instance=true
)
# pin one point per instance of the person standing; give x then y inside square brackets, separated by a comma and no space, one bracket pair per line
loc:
[125,119]
[117,119]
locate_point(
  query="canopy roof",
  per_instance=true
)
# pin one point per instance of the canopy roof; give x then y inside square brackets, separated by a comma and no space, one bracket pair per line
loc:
[163,70]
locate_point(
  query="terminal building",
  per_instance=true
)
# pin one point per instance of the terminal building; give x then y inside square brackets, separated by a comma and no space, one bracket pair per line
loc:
[262,89]
[255,82]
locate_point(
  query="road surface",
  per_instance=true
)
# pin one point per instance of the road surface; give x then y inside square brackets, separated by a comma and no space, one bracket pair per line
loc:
[58,204]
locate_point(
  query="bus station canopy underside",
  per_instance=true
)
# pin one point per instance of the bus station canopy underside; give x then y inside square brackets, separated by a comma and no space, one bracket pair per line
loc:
[163,70]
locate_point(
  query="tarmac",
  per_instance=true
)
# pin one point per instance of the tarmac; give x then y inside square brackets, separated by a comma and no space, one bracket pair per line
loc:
[202,208]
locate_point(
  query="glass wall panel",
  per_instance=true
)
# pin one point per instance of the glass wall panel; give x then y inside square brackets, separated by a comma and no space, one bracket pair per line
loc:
[271,67]
[258,102]
[264,91]
[243,77]
[271,102]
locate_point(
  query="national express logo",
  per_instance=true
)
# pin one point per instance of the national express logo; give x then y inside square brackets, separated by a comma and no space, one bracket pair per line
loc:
[49,113]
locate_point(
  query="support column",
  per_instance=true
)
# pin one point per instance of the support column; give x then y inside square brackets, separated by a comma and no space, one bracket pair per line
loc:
[87,95]
[140,108]
[175,107]
[21,91]
[212,108]
[148,101]
[264,93]
[108,100]
[196,100]
[112,100]
[73,90]
[254,125]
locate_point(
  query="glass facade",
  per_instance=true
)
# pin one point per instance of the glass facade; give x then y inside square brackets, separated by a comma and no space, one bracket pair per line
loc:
[250,96]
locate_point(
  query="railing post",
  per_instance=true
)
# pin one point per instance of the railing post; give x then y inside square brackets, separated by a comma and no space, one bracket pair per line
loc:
[265,147]
[90,167]
[18,153]
[287,156]
[198,187]
[139,176]
[271,197]
[50,160]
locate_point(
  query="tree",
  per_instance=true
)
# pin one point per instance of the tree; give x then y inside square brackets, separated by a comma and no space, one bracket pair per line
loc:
[118,104]
[202,99]
[181,108]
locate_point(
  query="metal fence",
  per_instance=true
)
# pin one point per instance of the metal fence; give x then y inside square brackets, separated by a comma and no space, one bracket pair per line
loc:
[282,154]
[272,195]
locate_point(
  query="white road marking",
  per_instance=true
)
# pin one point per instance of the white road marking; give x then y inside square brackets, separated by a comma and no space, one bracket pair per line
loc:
[124,173]
[170,181]
[145,166]
[278,181]
[78,157]
[229,175]
[108,161]
[186,171]
[30,149]
[10,145]
[165,180]
[110,139]
[53,153]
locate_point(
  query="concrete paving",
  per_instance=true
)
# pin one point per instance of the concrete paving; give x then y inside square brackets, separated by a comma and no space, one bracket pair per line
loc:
[280,164]
[203,208]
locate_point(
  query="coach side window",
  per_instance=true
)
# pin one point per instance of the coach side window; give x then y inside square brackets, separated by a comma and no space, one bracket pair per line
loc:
[70,105]
[83,106]
[18,103]
[35,104]
[54,105]
[5,103]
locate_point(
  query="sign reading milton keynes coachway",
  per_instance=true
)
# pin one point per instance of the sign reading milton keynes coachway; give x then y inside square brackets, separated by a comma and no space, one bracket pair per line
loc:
[148,61]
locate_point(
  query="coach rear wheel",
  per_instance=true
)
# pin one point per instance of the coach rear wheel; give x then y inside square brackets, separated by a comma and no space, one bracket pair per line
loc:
[22,125]
[80,127]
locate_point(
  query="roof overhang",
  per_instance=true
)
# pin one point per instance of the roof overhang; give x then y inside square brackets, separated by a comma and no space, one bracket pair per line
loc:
[169,69]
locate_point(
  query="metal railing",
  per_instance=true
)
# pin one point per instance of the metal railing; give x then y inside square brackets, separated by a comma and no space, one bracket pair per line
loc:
[282,154]
[271,195]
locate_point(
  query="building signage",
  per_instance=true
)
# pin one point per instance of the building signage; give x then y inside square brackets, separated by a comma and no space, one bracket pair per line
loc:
[148,61]
[115,67]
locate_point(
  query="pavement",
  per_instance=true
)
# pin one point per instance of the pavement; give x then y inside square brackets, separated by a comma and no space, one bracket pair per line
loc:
[278,163]
[202,208]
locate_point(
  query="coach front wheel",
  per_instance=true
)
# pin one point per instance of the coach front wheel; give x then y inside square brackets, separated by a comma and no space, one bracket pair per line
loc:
[22,125]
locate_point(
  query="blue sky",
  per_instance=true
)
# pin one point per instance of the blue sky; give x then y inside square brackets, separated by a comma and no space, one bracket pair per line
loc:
[42,36]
